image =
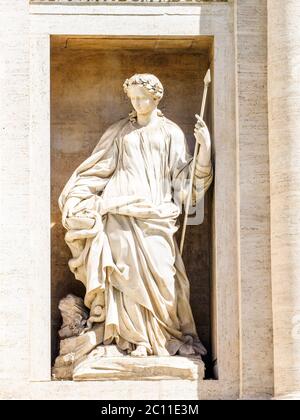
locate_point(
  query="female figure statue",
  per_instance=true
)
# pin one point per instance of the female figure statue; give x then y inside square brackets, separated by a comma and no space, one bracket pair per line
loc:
[120,208]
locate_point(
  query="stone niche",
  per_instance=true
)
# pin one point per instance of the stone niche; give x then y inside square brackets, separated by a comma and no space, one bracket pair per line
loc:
[87,74]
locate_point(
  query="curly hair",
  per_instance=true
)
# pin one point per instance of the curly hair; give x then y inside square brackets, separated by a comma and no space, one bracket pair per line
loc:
[148,81]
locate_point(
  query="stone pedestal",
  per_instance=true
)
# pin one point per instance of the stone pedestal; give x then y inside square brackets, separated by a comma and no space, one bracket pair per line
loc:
[83,357]
[75,349]
[109,363]
[115,366]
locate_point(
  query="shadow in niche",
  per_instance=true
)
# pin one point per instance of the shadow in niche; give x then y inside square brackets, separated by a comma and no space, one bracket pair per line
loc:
[211,360]
[65,284]
[195,254]
[86,97]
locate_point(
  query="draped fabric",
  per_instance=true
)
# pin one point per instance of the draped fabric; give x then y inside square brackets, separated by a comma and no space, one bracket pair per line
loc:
[120,208]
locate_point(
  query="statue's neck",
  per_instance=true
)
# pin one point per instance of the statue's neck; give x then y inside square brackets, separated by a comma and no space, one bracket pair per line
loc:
[146,119]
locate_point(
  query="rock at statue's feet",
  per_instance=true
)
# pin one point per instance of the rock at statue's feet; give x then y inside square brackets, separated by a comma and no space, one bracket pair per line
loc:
[76,348]
[186,350]
[140,351]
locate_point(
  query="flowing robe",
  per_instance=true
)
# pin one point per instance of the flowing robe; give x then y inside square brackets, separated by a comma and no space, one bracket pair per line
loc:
[120,208]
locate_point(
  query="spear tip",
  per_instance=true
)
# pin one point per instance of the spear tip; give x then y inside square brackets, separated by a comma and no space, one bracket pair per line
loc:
[207,78]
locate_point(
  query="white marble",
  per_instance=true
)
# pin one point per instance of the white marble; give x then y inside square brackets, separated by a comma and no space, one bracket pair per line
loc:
[153,368]
[120,209]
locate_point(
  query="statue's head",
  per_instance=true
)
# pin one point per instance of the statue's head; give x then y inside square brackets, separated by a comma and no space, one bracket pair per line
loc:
[145,92]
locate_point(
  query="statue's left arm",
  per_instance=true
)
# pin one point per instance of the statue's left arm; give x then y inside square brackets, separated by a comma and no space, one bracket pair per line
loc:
[181,167]
[203,169]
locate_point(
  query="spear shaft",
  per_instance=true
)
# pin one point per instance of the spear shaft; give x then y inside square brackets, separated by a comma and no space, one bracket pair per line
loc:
[207,81]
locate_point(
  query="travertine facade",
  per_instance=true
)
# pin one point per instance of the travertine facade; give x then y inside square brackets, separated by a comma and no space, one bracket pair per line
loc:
[255,234]
[284,130]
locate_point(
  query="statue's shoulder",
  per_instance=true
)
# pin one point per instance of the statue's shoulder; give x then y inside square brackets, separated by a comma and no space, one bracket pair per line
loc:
[117,125]
[173,129]
[110,134]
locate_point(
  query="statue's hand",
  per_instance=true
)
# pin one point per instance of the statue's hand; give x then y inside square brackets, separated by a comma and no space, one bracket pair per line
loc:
[203,138]
[201,133]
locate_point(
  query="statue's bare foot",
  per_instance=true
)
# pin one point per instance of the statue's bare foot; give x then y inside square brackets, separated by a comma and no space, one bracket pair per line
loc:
[140,351]
[186,350]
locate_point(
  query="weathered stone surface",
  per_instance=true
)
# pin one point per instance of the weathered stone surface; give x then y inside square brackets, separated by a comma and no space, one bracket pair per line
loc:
[84,343]
[63,367]
[110,363]
[107,351]
[284,145]
[74,315]
[97,367]
[76,348]
[254,188]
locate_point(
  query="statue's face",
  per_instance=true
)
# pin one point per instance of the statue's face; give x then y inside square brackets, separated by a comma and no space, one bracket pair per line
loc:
[141,99]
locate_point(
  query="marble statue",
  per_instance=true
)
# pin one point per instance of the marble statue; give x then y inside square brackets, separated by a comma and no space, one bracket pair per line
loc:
[120,210]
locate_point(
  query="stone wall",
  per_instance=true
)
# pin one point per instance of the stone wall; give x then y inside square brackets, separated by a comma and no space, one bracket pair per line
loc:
[284,133]
[254,189]
[15,205]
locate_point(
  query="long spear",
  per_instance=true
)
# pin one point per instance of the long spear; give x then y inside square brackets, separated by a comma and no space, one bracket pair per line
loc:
[207,81]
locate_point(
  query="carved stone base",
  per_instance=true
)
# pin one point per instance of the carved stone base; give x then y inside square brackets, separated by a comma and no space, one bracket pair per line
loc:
[75,349]
[114,365]
[83,358]
[110,363]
